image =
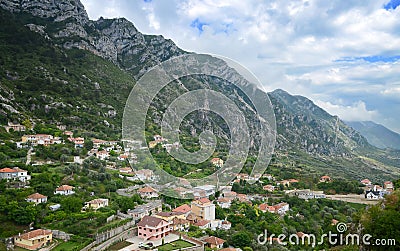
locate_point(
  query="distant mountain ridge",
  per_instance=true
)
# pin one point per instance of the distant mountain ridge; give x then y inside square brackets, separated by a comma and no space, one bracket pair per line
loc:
[79,72]
[376,134]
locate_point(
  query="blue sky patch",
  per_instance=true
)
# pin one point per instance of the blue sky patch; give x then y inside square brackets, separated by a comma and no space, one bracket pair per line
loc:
[198,25]
[147,1]
[371,59]
[392,4]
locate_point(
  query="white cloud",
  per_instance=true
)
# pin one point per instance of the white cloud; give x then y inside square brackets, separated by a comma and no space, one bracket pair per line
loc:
[355,112]
[290,45]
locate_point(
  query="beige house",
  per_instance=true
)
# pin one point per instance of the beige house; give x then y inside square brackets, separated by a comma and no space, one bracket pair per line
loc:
[217,162]
[34,240]
[95,204]
[203,209]
[15,127]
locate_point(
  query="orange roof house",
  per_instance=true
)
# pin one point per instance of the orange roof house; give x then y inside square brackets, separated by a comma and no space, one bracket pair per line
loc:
[185,208]
[147,192]
[214,242]
[37,198]
[64,190]
[325,178]
[34,239]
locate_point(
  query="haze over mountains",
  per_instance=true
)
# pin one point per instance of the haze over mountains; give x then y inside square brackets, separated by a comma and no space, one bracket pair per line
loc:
[377,135]
[59,67]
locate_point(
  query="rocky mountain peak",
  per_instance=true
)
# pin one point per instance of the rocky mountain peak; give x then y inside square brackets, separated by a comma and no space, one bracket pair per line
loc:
[56,10]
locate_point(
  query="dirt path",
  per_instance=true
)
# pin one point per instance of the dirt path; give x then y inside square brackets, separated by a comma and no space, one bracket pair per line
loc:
[354,198]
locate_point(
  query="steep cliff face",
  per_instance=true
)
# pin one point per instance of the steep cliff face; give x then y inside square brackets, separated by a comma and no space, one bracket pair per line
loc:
[302,124]
[116,40]
[120,41]
[56,10]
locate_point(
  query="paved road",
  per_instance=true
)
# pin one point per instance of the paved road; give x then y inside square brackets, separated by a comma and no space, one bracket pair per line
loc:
[135,242]
[28,156]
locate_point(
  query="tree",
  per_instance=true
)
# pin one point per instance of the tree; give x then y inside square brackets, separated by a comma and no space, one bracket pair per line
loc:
[219,213]
[88,144]
[241,239]
[45,183]
[71,204]
[396,184]
[382,221]
[27,123]
[93,163]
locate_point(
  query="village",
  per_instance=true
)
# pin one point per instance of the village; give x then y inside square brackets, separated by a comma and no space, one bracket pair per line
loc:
[154,224]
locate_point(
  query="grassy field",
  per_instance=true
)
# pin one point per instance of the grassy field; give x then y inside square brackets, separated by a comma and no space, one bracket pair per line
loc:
[69,245]
[175,245]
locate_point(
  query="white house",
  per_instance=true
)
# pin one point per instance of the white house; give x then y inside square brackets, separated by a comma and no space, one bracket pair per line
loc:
[226,225]
[64,190]
[373,195]
[15,173]
[37,198]
[224,202]
[145,174]
[281,208]
[102,155]
[147,192]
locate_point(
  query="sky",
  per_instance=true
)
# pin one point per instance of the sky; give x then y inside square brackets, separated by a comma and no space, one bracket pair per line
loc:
[343,55]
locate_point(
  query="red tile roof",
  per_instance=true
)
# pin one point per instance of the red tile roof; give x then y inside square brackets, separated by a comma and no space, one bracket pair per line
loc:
[36,196]
[168,214]
[183,208]
[150,221]
[201,223]
[64,188]
[7,170]
[177,221]
[146,190]
[266,207]
[35,233]
[203,200]
[214,240]
[224,200]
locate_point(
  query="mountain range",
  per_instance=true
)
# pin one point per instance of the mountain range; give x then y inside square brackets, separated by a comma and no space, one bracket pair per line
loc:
[376,134]
[60,67]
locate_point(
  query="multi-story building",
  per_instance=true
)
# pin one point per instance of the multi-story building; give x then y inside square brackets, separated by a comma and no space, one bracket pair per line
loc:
[40,139]
[14,174]
[153,228]
[203,209]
